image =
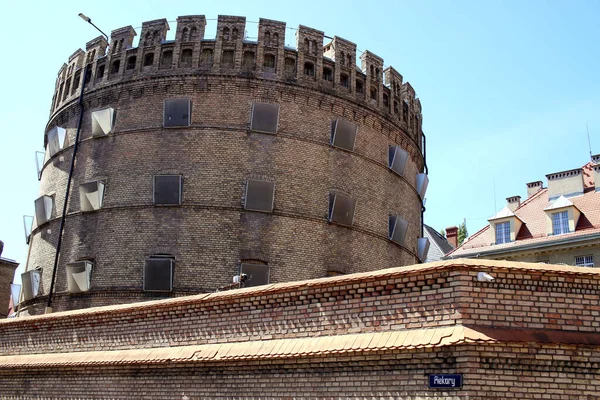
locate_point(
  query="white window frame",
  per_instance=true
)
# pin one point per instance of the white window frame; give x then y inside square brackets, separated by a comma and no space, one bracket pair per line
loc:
[584,261]
[560,223]
[502,230]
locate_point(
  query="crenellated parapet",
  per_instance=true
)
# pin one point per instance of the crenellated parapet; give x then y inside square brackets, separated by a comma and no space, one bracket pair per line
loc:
[328,67]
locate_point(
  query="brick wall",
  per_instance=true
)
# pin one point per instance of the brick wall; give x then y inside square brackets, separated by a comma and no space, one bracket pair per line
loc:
[7,271]
[416,320]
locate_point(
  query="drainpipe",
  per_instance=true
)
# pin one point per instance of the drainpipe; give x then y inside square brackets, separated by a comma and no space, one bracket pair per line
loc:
[64,211]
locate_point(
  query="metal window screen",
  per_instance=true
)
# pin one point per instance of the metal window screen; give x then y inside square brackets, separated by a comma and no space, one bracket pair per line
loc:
[343,134]
[257,274]
[397,229]
[158,274]
[422,248]
[259,195]
[39,162]
[341,209]
[43,209]
[167,189]
[79,276]
[31,284]
[56,140]
[265,117]
[28,226]
[397,158]
[91,196]
[103,122]
[177,113]
[422,183]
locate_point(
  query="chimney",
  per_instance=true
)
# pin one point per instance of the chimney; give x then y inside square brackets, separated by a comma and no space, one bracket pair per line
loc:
[452,235]
[513,202]
[533,188]
[566,183]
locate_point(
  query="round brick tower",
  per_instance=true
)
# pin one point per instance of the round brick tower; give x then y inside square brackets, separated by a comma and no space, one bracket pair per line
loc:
[200,159]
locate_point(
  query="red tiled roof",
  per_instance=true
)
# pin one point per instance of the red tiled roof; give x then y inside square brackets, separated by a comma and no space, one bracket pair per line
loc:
[339,345]
[533,231]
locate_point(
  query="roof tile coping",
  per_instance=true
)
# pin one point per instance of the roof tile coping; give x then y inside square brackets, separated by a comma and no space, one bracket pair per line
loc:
[271,289]
[323,346]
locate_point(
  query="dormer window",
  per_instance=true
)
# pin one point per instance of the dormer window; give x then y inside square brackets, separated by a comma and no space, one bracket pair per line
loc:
[561,216]
[505,226]
[560,222]
[503,232]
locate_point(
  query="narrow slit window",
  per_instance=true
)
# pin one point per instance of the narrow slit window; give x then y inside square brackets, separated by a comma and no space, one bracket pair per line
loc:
[344,80]
[248,62]
[309,69]
[260,195]
[269,63]
[207,57]
[343,134]
[103,122]
[168,189]
[341,209]
[159,274]
[177,113]
[148,59]
[227,59]
[166,59]
[397,158]
[290,66]
[114,68]
[131,63]
[360,87]
[186,58]
[264,117]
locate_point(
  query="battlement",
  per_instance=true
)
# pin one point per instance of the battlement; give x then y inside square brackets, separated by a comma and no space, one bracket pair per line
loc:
[329,67]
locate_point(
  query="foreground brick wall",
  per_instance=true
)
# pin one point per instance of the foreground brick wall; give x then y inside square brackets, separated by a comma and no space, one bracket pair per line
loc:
[371,335]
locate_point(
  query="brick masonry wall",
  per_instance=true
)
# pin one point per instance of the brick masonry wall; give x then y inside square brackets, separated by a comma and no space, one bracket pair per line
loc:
[436,294]
[7,271]
[210,233]
[426,296]
[506,372]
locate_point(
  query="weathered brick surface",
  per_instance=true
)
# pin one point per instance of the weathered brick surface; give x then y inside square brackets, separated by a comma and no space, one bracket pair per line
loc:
[423,296]
[210,233]
[7,271]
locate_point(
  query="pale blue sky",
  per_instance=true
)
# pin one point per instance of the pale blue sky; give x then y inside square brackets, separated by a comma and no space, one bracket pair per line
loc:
[507,87]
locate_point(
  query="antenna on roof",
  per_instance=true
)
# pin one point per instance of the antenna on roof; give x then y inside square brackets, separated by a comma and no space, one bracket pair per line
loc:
[589,143]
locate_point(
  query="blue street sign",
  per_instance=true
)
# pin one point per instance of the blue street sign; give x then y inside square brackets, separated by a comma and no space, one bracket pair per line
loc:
[446,381]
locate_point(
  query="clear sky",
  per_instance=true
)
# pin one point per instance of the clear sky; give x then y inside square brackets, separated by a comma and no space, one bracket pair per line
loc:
[507,87]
